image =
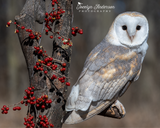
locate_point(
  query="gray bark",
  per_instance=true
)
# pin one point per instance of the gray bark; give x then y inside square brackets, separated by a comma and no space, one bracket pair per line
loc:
[32,12]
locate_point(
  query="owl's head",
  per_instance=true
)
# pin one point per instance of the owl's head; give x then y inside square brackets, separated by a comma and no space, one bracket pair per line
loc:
[131,29]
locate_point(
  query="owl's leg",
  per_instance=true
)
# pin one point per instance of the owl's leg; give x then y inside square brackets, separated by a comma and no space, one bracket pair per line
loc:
[116,110]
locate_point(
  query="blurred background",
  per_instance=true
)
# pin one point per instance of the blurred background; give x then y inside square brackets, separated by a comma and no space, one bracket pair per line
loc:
[141,101]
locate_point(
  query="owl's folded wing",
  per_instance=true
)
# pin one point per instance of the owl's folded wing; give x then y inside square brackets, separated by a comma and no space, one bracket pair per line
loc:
[103,80]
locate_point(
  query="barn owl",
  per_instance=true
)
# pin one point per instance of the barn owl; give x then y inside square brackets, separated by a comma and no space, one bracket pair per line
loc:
[110,68]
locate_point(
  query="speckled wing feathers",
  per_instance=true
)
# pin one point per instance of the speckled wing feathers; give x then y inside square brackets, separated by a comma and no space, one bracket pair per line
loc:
[106,72]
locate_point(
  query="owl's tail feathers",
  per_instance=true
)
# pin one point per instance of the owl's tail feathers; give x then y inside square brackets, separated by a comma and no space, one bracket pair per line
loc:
[71,118]
[71,101]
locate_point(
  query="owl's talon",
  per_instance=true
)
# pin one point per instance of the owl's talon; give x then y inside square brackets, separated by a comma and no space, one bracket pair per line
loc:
[116,110]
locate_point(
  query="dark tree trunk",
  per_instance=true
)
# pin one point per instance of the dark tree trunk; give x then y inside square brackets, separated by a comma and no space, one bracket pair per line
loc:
[32,12]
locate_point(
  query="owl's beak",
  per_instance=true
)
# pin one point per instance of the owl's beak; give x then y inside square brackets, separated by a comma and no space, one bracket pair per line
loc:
[131,35]
[131,38]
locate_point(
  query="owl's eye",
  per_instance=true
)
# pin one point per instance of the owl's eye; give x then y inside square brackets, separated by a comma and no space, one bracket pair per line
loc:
[124,27]
[138,27]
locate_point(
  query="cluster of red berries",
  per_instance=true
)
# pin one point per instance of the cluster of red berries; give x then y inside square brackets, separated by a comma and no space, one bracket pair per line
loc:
[16,108]
[55,14]
[29,98]
[40,103]
[4,109]
[67,42]
[50,64]
[76,30]
[32,35]
[43,102]
[43,121]
[29,122]
[44,65]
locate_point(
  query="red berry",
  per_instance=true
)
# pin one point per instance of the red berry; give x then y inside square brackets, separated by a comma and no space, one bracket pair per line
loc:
[50,101]
[46,96]
[63,69]
[29,30]
[51,125]
[29,88]
[62,81]
[58,17]
[38,49]
[55,66]
[45,72]
[50,59]
[73,33]
[43,106]
[48,64]
[51,37]
[5,112]
[37,64]
[54,13]
[80,31]
[18,108]
[54,77]
[28,92]
[41,61]
[32,93]
[32,124]
[32,36]
[35,67]
[25,97]
[14,109]
[22,102]
[28,125]
[37,105]
[40,116]
[17,31]
[8,23]
[22,27]
[4,106]
[7,108]
[64,64]
[44,125]
[67,83]
[46,30]
[44,116]
[25,119]
[31,98]
[41,122]
[2,109]
[53,4]
[46,14]
[28,101]
[76,28]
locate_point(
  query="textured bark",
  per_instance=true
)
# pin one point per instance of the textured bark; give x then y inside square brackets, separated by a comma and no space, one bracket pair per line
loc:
[32,12]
